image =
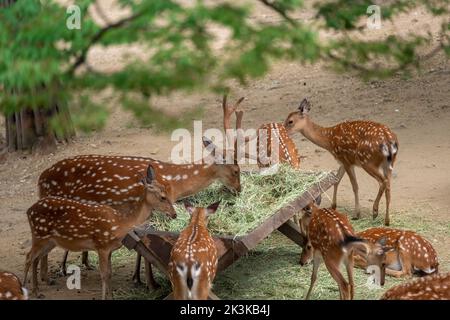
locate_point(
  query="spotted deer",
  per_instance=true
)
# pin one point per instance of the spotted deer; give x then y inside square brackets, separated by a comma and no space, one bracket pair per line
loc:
[366,144]
[331,239]
[269,135]
[115,181]
[432,287]
[11,287]
[193,260]
[411,252]
[75,226]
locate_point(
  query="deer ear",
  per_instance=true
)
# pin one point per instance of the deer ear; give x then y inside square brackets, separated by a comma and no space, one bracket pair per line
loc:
[189,207]
[212,208]
[150,175]
[318,200]
[304,107]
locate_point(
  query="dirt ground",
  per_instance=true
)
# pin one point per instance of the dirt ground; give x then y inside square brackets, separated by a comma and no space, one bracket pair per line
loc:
[417,109]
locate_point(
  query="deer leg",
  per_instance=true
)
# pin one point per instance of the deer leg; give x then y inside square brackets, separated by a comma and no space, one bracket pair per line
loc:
[339,278]
[64,263]
[349,268]
[137,271]
[351,174]
[33,255]
[85,260]
[406,263]
[339,176]
[316,264]
[34,277]
[44,269]
[151,282]
[387,184]
[375,173]
[104,259]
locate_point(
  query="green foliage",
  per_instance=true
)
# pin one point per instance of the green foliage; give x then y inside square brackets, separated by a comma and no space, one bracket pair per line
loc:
[42,60]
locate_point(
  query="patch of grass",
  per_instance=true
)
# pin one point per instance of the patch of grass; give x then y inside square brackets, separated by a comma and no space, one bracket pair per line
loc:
[261,197]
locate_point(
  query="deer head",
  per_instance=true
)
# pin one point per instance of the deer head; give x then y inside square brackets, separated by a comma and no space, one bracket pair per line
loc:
[297,120]
[375,254]
[155,194]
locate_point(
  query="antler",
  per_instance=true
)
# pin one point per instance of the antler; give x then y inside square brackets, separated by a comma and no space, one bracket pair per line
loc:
[228,111]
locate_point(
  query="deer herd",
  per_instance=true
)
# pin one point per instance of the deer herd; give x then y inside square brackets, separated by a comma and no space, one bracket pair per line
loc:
[90,203]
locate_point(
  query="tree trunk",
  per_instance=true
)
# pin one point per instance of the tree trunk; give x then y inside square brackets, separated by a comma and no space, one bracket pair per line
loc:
[30,128]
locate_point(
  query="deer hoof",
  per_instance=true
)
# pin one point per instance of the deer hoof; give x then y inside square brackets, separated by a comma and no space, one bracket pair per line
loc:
[375,214]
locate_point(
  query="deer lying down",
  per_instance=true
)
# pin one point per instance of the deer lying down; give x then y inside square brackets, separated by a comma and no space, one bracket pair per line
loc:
[331,239]
[433,287]
[193,260]
[11,287]
[411,252]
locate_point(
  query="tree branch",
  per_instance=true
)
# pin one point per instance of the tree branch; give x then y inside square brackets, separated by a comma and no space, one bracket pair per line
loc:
[280,11]
[97,37]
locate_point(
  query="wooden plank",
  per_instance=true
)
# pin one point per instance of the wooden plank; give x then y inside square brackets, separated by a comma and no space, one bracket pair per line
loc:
[286,213]
[237,250]
[133,242]
[292,231]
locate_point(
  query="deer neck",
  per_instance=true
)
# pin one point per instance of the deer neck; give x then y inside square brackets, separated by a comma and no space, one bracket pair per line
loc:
[197,182]
[198,219]
[316,134]
[141,211]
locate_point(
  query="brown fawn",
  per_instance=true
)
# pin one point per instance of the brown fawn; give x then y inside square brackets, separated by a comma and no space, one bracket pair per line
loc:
[273,134]
[331,239]
[432,287]
[115,181]
[411,252]
[366,144]
[193,260]
[75,226]
[11,287]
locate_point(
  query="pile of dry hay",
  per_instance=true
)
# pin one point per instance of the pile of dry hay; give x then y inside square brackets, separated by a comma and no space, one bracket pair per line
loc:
[261,196]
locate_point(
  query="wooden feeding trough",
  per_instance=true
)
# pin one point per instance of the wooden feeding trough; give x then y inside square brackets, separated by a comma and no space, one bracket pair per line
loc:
[155,246]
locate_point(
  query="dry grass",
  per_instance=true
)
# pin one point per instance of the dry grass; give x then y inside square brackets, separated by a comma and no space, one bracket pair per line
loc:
[261,197]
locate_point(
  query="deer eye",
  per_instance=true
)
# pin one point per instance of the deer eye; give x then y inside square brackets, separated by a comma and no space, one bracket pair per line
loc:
[163,198]
[308,247]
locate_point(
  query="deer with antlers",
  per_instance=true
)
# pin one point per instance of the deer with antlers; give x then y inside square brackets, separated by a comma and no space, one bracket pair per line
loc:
[366,144]
[115,181]
[11,287]
[411,253]
[331,239]
[193,259]
[271,138]
[75,226]
[432,287]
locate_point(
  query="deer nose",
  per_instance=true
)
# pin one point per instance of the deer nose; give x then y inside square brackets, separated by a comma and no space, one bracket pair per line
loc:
[301,263]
